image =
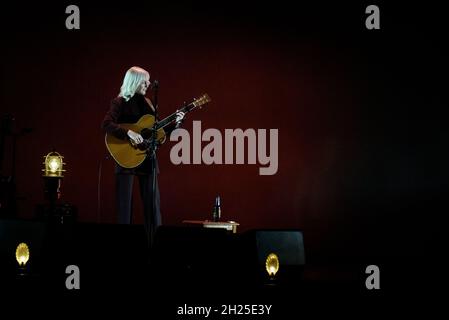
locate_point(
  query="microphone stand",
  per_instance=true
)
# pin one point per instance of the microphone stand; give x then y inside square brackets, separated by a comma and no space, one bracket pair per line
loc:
[151,152]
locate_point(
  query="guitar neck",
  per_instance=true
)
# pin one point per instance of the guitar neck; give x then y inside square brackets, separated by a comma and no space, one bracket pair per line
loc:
[166,121]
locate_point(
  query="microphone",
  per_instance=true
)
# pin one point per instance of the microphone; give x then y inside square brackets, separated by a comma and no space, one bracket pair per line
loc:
[155,85]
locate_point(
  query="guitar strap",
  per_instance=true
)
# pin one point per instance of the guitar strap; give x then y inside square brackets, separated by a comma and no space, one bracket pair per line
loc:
[150,104]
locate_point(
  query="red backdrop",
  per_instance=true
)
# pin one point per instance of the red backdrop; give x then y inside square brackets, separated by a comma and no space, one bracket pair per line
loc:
[336,92]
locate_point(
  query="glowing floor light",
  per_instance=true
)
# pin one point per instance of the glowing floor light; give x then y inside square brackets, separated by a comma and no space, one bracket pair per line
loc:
[22,254]
[272,264]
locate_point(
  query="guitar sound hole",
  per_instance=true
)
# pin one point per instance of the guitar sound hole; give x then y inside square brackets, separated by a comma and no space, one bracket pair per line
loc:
[145,133]
[142,146]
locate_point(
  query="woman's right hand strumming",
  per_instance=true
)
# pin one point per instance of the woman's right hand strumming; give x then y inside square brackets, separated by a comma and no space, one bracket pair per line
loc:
[135,137]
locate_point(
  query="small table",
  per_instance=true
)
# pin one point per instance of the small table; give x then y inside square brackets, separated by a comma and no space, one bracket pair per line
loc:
[228,225]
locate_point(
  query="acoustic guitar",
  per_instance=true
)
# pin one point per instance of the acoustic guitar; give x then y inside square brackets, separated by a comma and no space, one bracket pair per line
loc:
[130,155]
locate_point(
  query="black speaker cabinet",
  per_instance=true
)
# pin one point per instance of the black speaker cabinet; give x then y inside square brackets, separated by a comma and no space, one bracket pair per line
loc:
[192,254]
[287,245]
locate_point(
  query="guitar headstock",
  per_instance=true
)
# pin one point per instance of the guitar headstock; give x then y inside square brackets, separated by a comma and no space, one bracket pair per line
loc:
[201,100]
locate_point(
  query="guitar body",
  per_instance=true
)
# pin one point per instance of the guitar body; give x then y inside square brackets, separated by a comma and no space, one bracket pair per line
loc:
[123,151]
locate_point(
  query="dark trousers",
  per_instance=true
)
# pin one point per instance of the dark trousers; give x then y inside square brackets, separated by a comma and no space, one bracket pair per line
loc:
[124,196]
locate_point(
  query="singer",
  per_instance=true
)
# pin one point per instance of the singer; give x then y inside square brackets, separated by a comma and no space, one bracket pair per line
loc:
[130,105]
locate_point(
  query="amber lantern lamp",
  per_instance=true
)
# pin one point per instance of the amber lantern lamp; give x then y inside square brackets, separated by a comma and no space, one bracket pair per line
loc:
[53,174]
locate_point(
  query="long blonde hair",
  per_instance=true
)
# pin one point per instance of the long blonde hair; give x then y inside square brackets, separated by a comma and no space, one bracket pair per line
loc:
[131,82]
